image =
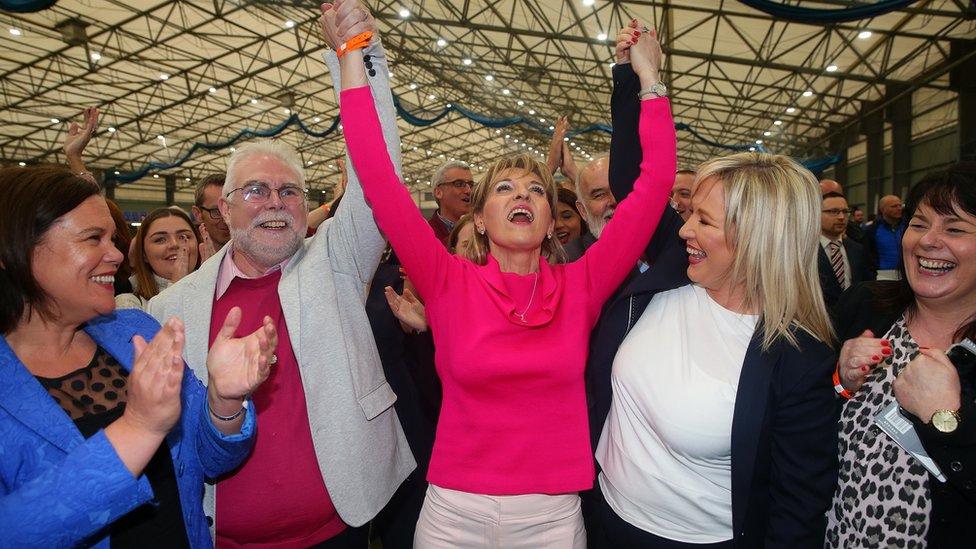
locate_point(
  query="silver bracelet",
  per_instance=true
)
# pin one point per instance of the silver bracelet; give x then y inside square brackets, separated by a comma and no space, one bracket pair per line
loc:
[225,418]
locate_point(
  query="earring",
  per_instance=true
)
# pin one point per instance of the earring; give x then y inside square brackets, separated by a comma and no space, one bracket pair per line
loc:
[549,236]
[481,231]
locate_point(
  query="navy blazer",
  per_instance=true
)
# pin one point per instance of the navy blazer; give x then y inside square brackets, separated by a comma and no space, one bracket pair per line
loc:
[862,270]
[784,426]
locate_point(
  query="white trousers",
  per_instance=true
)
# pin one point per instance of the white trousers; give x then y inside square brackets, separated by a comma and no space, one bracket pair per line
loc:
[451,519]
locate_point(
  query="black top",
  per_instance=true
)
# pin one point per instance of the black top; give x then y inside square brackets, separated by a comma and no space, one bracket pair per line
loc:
[94,397]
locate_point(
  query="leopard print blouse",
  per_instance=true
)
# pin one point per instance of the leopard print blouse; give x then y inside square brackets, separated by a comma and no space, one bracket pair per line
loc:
[882,497]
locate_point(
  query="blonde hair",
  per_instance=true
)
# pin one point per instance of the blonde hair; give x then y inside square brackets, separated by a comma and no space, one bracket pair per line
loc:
[478,247]
[772,222]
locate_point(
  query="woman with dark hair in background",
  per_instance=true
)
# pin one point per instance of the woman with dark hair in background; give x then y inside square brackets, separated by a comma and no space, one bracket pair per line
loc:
[166,249]
[569,223]
[897,335]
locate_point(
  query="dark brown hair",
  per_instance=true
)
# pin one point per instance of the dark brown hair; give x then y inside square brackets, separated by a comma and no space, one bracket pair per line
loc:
[122,239]
[948,192]
[145,286]
[569,198]
[31,201]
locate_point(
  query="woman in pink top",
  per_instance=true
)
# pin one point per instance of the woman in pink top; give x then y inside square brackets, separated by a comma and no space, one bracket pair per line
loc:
[511,330]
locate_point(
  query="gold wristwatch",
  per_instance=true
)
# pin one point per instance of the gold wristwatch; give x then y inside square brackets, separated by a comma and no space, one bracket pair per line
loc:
[945,421]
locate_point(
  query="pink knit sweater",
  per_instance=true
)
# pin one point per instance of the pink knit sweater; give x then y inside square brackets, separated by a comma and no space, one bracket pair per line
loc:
[513,418]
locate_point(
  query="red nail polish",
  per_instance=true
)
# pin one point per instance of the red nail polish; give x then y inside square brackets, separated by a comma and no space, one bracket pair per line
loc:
[864,368]
[886,343]
[876,358]
[886,352]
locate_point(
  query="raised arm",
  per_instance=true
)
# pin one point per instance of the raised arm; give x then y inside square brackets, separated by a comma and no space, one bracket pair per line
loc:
[422,255]
[75,141]
[620,245]
[352,234]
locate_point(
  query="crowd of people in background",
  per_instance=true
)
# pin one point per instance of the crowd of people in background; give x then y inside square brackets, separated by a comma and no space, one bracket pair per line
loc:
[635,354]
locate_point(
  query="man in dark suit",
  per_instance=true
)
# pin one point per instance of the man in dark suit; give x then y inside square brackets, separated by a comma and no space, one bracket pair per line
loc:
[841,261]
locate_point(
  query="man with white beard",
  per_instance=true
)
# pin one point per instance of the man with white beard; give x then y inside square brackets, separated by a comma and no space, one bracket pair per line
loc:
[595,203]
[330,451]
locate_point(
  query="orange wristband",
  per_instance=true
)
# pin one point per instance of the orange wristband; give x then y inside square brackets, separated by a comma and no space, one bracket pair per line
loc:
[839,387]
[361,40]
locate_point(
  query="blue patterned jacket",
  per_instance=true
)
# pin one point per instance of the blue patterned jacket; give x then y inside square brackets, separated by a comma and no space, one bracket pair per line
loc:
[59,490]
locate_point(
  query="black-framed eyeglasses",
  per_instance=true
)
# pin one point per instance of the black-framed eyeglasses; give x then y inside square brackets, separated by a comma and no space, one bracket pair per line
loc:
[214,213]
[459,183]
[837,211]
[259,192]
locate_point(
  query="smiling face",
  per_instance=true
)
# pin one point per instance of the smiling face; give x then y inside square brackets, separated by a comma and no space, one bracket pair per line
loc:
[163,240]
[940,256]
[710,253]
[517,213]
[569,224]
[264,234]
[75,263]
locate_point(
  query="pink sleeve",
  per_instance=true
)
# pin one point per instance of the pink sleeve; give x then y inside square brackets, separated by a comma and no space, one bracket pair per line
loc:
[423,256]
[607,262]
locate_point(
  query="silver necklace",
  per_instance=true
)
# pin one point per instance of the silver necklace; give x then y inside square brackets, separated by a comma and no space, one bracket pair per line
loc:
[531,296]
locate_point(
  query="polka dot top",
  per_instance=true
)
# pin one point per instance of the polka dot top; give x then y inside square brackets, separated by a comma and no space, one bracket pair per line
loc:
[95,389]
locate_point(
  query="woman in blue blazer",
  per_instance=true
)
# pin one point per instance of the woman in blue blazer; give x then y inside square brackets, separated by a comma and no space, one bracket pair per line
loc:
[736,447]
[86,403]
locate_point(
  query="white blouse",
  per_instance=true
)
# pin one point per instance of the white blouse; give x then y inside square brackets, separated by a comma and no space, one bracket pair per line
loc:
[666,447]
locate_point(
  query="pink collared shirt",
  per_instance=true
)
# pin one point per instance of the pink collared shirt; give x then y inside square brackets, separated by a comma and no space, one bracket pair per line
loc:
[229,271]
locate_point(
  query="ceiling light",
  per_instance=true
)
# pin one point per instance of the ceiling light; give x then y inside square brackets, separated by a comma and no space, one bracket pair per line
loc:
[497,132]
[163,76]
[489,77]
[449,105]
[588,2]
[111,129]
[831,68]
[551,128]
[160,137]
[404,12]
[767,134]
[22,164]
[232,149]
[864,35]
[516,140]
[95,56]
[413,86]
[807,93]
[441,42]
[431,97]
[316,120]
[543,120]
[15,31]
[212,89]
[186,179]
[777,122]
[506,91]
[520,103]
[308,163]
[55,121]
[572,144]
[602,36]
[155,176]
[466,61]
[507,136]
[531,111]
[254,101]
[759,142]
[790,110]
[287,110]
[117,172]
[289,24]
[752,149]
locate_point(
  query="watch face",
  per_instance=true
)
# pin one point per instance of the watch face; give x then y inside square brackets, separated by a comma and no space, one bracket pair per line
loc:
[945,421]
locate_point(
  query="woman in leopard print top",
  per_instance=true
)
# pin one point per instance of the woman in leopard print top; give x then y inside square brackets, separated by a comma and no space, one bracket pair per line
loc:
[885,497]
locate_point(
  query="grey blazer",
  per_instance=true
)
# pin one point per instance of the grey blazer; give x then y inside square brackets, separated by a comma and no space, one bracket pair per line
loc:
[358,441]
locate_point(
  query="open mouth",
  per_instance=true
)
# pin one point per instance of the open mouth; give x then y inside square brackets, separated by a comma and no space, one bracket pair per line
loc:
[103,279]
[521,216]
[935,266]
[694,254]
[563,236]
[273,225]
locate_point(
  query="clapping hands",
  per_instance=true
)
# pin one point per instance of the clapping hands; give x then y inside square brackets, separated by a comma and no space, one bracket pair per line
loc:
[237,366]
